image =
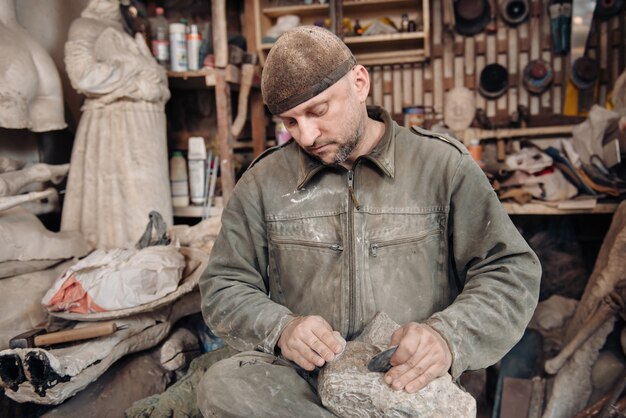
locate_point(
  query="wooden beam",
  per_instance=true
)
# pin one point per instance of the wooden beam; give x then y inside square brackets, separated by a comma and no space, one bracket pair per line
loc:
[222,98]
[336,17]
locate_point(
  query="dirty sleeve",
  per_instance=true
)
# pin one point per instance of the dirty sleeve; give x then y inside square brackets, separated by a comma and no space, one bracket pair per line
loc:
[235,290]
[497,271]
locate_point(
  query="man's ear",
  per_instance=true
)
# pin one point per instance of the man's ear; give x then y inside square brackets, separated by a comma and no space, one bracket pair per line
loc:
[361,82]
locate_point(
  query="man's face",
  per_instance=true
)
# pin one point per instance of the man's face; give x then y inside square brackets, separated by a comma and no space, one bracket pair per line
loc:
[330,125]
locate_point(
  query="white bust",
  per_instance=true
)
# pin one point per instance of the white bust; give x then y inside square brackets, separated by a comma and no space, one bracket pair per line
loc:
[459,108]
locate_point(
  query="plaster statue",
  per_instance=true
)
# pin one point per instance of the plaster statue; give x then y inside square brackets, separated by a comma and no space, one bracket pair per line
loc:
[459,109]
[119,165]
[8,164]
[12,182]
[30,88]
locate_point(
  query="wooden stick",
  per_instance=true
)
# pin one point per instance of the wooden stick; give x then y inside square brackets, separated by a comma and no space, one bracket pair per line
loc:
[76,334]
[614,396]
[7,202]
[594,410]
[222,98]
[606,310]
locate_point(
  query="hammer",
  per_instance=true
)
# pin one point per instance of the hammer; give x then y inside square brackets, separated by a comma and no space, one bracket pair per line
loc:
[38,336]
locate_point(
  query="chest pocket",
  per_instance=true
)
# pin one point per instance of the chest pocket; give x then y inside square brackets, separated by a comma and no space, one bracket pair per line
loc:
[404,263]
[306,261]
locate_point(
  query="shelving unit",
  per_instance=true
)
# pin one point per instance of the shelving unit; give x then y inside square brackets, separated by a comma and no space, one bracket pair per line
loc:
[406,47]
[205,78]
[542,209]
[196,211]
[575,206]
[470,134]
[224,78]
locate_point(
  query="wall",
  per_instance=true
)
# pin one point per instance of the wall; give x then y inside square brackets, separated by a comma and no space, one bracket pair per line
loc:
[457,61]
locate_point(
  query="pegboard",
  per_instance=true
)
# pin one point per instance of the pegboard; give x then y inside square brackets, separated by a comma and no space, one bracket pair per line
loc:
[457,60]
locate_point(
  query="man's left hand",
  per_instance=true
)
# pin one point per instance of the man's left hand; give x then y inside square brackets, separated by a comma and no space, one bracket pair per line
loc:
[422,356]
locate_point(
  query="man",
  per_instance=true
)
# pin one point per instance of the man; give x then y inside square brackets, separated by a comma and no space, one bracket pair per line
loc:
[357,215]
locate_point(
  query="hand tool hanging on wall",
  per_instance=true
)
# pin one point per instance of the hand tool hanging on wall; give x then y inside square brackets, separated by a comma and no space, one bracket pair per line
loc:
[581,87]
[537,76]
[471,17]
[492,26]
[514,12]
[247,74]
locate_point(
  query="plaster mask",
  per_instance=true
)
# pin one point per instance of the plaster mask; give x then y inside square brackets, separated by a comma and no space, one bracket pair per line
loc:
[459,109]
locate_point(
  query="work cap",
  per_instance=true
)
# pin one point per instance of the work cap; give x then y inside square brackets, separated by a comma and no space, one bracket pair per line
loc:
[303,62]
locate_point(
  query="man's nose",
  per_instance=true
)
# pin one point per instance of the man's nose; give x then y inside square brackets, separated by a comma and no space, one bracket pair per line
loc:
[309,132]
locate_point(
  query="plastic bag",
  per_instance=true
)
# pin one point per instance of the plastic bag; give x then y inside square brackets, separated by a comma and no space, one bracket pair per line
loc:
[117,279]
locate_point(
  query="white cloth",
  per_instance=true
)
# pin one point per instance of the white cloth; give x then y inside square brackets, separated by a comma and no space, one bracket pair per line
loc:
[587,137]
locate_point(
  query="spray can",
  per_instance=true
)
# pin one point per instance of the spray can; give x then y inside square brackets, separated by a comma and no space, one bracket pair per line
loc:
[194,40]
[178,47]
[197,169]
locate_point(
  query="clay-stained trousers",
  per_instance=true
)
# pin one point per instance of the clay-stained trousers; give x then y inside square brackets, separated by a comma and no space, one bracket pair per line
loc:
[254,384]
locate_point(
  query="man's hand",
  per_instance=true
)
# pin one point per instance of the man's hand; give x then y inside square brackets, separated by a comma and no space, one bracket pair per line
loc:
[310,341]
[422,356]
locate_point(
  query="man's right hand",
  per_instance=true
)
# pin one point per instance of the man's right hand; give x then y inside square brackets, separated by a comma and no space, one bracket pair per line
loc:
[309,341]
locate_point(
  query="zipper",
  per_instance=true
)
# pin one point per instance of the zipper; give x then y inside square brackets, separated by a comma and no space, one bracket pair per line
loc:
[352,203]
[355,202]
[329,246]
[400,241]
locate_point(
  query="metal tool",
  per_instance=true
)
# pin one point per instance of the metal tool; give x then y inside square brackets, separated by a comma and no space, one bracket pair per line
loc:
[38,336]
[381,361]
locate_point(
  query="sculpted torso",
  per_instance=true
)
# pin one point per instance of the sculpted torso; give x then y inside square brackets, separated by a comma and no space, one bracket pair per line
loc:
[30,87]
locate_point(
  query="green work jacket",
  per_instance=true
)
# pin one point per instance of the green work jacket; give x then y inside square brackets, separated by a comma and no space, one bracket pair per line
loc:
[413,230]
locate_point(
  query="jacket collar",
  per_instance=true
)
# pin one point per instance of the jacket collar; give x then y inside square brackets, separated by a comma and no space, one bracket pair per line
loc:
[383,154]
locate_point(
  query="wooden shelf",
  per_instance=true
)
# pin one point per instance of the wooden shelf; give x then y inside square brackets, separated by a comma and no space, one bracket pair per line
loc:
[205,77]
[386,38]
[376,5]
[348,6]
[400,48]
[396,48]
[373,39]
[544,131]
[196,211]
[300,10]
[392,57]
[543,209]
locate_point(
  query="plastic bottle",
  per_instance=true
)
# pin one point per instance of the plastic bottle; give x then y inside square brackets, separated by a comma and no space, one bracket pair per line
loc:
[404,24]
[194,40]
[161,38]
[358,29]
[178,47]
[476,151]
[197,169]
[178,180]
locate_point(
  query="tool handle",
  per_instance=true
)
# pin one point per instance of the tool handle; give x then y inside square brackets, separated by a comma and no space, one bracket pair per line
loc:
[76,334]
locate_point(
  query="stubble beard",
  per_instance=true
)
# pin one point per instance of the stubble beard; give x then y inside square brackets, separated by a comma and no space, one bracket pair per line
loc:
[351,143]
